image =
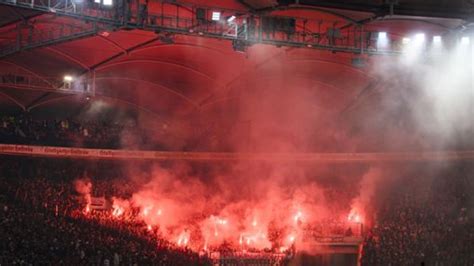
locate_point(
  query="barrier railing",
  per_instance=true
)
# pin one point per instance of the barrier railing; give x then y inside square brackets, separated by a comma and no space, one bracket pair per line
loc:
[49,151]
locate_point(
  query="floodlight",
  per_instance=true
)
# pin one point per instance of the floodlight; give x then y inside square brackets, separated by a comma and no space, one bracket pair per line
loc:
[382,40]
[420,38]
[216,16]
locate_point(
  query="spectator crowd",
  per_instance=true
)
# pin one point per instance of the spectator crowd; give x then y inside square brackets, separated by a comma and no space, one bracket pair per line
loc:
[426,221]
[43,221]
[42,224]
[25,129]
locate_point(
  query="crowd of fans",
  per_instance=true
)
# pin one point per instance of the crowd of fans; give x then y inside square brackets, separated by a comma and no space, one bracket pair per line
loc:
[43,220]
[42,224]
[424,222]
[24,129]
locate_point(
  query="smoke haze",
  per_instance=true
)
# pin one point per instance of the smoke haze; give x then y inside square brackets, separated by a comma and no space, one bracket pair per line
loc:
[418,103]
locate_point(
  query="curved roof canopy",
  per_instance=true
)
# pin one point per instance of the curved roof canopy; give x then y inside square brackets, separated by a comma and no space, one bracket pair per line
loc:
[179,76]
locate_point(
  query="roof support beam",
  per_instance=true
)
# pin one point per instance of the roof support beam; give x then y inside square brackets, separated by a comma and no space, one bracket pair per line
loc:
[116,45]
[157,85]
[67,56]
[36,101]
[249,7]
[13,100]
[20,18]
[245,31]
[241,31]
[124,52]
[29,71]
[45,39]
[400,9]
[156,61]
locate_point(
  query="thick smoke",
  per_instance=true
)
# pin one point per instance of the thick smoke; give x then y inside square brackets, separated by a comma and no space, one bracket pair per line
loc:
[84,188]
[247,207]
[422,102]
[362,204]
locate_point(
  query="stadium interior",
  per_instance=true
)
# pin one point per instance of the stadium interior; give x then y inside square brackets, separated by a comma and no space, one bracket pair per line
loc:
[236,132]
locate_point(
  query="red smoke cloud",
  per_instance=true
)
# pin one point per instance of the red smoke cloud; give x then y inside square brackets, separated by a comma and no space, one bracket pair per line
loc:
[270,211]
[84,188]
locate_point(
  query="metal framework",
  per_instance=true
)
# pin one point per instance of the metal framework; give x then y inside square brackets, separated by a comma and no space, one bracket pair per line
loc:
[29,37]
[450,11]
[20,79]
[25,81]
[242,28]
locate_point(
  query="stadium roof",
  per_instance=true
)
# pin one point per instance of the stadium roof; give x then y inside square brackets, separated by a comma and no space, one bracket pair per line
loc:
[175,76]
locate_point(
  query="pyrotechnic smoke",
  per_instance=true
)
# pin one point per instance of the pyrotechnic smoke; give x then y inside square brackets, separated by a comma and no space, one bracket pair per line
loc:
[424,101]
[84,188]
[278,108]
[366,197]
[236,208]
[119,206]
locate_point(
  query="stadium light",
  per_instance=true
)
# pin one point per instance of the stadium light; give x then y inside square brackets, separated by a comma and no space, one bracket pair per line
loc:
[419,38]
[413,48]
[216,16]
[104,34]
[68,78]
[103,2]
[382,40]
[230,19]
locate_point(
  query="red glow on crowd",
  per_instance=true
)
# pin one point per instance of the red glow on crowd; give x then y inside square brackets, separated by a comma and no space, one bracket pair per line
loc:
[246,233]
[291,238]
[183,238]
[297,216]
[354,216]
[188,213]
[117,211]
